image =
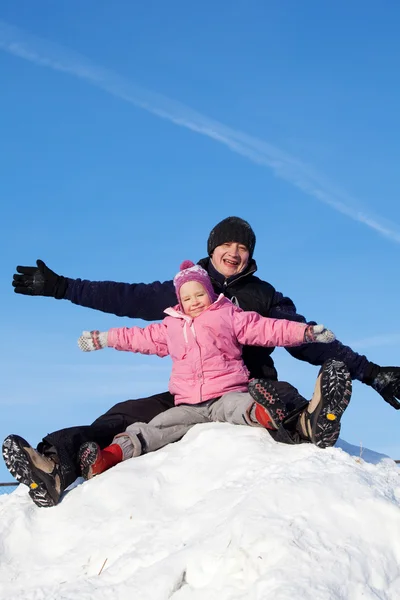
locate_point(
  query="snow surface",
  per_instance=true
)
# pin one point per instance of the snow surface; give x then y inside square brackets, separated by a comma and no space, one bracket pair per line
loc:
[226,513]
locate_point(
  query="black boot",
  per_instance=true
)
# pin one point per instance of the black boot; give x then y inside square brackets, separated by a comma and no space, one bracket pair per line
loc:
[42,474]
[320,422]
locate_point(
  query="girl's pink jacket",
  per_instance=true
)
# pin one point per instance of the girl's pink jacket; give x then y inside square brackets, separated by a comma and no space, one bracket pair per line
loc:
[206,351]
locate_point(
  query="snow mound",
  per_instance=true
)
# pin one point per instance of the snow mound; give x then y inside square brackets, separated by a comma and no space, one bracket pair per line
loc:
[224,514]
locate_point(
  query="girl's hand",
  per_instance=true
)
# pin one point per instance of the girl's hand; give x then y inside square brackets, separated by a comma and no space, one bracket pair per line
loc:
[319,333]
[93,340]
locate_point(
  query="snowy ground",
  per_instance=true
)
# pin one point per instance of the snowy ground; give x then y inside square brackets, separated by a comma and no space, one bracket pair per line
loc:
[224,514]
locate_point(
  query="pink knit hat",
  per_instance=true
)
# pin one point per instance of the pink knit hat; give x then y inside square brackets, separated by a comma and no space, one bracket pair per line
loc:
[191,272]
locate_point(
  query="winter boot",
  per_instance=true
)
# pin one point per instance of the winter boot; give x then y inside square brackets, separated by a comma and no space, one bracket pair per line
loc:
[320,422]
[40,473]
[269,410]
[94,461]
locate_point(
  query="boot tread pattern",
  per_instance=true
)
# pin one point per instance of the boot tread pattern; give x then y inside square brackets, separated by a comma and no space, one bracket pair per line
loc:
[20,468]
[263,392]
[88,454]
[336,388]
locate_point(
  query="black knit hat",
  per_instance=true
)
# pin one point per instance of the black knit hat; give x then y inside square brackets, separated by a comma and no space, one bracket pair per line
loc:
[232,229]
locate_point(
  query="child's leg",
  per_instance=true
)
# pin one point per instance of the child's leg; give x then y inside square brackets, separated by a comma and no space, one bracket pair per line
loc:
[240,408]
[278,399]
[93,460]
[167,427]
[139,438]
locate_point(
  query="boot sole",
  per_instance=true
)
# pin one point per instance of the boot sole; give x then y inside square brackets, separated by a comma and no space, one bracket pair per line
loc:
[21,468]
[87,456]
[336,388]
[265,394]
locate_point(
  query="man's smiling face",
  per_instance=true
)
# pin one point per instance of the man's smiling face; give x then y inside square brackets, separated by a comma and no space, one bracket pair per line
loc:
[230,258]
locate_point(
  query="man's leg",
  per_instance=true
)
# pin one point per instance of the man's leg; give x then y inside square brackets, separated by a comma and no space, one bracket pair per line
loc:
[65,443]
[54,465]
[320,422]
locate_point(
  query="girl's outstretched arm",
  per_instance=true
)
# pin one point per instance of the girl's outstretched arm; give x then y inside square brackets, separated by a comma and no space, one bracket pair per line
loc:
[148,340]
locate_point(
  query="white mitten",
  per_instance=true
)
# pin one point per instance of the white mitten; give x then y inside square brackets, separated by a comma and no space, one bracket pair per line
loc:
[93,340]
[319,333]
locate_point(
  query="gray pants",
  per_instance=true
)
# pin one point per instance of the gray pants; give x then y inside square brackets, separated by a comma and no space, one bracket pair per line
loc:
[171,425]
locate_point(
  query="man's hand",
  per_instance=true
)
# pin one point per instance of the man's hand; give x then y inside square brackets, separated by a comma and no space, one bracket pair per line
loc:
[93,340]
[39,281]
[386,381]
[319,333]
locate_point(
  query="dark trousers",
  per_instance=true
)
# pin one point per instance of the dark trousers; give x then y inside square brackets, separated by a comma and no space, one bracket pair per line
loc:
[66,442]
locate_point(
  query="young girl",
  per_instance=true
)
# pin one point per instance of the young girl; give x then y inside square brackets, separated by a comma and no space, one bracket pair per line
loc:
[204,337]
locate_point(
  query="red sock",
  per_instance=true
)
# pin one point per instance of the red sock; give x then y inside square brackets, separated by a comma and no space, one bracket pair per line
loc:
[263,417]
[107,458]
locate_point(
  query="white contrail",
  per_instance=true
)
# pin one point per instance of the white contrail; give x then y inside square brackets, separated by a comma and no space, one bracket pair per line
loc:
[42,53]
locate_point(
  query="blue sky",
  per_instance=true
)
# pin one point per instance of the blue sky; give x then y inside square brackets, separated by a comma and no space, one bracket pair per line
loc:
[129,129]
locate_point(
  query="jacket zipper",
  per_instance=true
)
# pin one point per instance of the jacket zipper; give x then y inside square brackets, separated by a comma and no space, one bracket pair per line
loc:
[226,284]
[201,361]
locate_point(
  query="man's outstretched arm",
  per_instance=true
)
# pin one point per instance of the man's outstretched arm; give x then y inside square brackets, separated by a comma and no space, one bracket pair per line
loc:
[385,380]
[135,300]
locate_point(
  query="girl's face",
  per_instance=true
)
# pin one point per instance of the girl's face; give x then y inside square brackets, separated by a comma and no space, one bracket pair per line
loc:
[194,298]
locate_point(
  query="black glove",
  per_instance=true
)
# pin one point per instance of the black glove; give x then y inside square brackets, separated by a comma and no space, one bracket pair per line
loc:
[39,281]
[386,381]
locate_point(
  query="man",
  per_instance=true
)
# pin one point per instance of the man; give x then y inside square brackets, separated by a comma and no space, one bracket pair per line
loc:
[231,267]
